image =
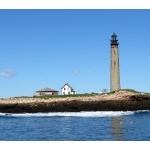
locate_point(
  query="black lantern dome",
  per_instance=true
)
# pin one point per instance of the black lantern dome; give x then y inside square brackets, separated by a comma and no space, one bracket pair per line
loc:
[114,40]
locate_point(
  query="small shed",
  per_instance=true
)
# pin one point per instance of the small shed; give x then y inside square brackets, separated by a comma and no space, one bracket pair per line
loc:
[46,91]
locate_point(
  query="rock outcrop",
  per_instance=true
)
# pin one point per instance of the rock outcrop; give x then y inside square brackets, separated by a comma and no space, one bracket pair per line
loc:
[119,101]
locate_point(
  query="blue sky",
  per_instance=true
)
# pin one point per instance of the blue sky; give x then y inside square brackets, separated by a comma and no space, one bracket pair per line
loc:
[47,48]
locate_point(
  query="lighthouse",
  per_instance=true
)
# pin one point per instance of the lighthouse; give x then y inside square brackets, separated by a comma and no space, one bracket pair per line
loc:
[114,65]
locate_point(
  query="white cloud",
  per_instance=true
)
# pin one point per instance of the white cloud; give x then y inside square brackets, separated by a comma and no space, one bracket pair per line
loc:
[75,71]
[92,70]
[8,73]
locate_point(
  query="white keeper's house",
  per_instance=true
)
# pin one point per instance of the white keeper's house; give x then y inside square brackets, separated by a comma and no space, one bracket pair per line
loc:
[67,90]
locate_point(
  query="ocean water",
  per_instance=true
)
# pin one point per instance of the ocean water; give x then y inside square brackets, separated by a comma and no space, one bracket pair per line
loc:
[81,126]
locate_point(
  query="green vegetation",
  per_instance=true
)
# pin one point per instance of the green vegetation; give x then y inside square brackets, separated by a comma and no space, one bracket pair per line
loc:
[64,96]
[80,95]
[129,90]
[147,93]
[23,97]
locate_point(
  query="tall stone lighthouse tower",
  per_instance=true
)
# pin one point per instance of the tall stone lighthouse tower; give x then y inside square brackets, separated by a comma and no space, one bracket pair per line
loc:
[114,70]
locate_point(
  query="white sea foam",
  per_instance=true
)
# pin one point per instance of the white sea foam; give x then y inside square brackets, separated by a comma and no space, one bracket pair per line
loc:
[72,114]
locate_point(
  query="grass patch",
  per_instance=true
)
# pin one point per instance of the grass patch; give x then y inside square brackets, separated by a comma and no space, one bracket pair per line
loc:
[129,90]
[22,97]
[63,96]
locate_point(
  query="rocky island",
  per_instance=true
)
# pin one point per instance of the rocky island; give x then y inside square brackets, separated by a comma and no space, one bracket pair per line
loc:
[117,101]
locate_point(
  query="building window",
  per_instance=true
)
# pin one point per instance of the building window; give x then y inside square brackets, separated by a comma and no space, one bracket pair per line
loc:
[63,93]
[64,88]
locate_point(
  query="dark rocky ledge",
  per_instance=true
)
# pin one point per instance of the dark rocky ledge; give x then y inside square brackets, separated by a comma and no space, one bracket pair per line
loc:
[135,103]
[131,103]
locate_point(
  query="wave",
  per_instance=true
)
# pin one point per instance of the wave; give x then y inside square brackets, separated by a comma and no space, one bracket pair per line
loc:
[74,114]
[142,111]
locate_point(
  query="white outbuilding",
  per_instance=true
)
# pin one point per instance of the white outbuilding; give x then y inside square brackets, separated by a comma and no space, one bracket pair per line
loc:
[67,90]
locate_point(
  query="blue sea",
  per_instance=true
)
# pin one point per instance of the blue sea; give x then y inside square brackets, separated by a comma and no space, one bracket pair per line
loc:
[80,126]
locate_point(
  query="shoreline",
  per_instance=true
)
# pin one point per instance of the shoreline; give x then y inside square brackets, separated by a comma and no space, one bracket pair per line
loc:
[119,101]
